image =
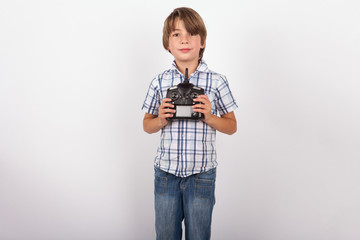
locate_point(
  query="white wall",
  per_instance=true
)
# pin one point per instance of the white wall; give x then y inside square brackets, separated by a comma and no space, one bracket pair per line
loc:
[75,163]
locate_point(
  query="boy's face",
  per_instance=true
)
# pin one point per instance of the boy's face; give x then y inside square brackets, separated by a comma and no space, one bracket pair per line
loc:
[184,46]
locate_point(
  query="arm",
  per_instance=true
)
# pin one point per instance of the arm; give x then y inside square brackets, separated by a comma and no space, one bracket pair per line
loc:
[153,123]
[225,124]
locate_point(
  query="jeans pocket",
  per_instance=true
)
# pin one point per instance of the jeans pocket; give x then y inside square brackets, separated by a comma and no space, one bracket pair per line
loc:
[204,188]
[160,184]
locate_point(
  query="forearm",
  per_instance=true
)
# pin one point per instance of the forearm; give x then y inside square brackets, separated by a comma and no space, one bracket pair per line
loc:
[152,125]
[225,124]
[222,124]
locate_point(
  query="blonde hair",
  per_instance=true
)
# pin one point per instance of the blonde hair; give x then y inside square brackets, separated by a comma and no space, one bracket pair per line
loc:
[193,24]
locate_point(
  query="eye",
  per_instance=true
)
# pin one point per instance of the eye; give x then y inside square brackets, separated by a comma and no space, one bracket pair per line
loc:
[175,35]
[193,34]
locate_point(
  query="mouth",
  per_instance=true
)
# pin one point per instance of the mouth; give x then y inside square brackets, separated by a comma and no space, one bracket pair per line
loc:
[185,50]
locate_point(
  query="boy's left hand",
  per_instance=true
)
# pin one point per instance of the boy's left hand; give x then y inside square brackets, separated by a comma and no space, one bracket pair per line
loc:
[204,108]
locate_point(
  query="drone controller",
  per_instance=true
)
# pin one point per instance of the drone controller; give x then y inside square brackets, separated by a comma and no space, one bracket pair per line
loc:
[182,98]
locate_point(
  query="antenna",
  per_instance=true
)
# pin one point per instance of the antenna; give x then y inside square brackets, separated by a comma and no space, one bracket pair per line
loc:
[186,75]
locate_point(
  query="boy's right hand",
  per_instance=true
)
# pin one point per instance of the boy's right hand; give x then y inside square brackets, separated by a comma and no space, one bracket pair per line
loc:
[166,111]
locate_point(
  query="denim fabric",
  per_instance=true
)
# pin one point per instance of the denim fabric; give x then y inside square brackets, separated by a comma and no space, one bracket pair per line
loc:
[190,199]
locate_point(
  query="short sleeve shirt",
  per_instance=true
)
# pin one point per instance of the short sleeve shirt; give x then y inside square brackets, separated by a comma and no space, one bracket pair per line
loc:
[187,147]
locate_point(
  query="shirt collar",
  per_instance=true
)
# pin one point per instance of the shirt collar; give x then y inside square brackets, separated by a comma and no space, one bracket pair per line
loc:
[202,67]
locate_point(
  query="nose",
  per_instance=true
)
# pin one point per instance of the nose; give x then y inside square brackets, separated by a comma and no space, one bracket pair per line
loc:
[185,38]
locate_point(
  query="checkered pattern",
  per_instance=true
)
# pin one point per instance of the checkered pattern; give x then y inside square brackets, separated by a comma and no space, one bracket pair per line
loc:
[188,146]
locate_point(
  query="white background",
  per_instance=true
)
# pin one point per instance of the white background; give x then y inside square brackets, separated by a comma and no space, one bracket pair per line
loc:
[75,163]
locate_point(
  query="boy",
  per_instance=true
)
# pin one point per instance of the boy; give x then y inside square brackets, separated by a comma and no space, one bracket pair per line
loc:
[185,165]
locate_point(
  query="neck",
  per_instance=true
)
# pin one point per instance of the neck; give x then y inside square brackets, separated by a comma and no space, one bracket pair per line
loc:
[192,66]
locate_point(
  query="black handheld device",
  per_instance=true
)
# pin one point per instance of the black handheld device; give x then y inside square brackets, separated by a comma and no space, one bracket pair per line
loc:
[182,97]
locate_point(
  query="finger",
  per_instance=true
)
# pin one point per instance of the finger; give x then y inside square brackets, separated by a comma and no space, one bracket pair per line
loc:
[167,110]
[165,100]
[202,106]
[204,96]
[206,107]
[202,99]
[166,104]
[169,115]
[200,110]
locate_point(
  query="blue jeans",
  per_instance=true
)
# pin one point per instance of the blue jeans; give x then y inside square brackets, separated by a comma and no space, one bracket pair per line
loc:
[191,198]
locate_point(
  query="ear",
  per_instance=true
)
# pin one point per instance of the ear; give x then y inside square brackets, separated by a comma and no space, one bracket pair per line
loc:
[168,49]
[203,45]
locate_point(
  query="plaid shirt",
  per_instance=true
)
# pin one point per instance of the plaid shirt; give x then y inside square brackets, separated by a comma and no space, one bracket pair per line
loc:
[188,146]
